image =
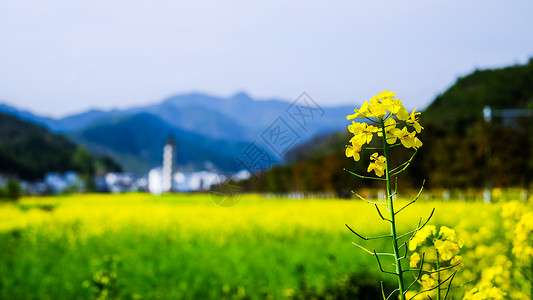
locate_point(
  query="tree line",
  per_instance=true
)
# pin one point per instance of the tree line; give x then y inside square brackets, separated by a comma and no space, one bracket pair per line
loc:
[488,154]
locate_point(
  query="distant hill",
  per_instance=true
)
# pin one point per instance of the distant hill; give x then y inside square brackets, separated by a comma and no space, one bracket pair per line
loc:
[462,104]
[81,120]
[212,129]
[200,117]
[66,124]
[456,110]
[29,151]
[200,113]
[460,150]
[50,123]
[244,116]
[137,141]
[320,146]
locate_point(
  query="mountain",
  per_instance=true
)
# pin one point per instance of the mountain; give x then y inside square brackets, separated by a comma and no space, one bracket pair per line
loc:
[236,117]
[137,142]
[319,146]
[256,116]
[50,123]
[201,119]
[79,121]
[66,124]
[460,149]
[462,104]
[211,129]
[29,151]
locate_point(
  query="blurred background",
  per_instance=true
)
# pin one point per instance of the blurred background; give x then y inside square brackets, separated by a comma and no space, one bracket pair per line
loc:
[92,91]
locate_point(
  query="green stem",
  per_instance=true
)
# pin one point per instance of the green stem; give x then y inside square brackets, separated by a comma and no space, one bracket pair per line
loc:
[529,275]
[397,256]
[438,275]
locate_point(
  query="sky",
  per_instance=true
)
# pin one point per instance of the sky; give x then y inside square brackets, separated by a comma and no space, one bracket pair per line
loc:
[63,57]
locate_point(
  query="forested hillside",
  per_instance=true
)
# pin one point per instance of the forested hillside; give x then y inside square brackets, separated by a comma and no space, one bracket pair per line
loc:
[29,151]
[461,150]
[461,106]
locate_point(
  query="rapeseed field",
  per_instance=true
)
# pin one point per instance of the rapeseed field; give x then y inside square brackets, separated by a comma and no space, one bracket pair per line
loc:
[183,246]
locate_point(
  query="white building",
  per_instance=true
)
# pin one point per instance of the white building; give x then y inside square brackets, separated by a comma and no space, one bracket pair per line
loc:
[165,179]
[155,181]
[59,182]
[160,180]
[123,182]
[169,153]
[196,181]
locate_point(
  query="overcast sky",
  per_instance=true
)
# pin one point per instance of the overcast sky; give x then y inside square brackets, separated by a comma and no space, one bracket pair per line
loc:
[61,57]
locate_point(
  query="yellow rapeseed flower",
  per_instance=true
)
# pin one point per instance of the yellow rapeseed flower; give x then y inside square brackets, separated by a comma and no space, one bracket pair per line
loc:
[391,132]
[447,233]
[384,107]
[353,151]
[413,121]
[393,105]
[402,114]
[409,140]
[378,164]
[421,236]
[414,259]
[377,109]
[428,281]
[360,113]
[457,260]
[364,133]
[447,250]
[356,128]
[522,247]
[485,291]
[387,95]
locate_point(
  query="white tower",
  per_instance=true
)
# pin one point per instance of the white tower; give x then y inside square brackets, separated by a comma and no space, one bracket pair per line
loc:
[169,152]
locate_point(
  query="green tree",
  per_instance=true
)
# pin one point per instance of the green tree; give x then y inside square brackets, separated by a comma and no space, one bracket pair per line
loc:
[11,190]
[84,165]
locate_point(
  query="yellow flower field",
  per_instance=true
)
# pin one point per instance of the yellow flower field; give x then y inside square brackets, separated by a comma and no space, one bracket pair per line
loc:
[183,246]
